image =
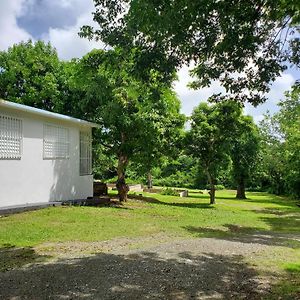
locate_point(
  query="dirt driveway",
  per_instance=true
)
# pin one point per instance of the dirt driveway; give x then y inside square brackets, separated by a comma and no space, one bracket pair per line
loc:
[205,268]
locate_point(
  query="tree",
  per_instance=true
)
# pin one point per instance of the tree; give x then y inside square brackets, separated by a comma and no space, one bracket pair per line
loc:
[244,152]
[281,145]
[243,44]
[136,116]
[31,74]
[165,145]
[209,138]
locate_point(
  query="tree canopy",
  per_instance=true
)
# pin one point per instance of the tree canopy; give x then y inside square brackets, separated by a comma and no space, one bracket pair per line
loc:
[244,151]
[281,146]
[209,138]
[31,74]
[139,119]
[243,44]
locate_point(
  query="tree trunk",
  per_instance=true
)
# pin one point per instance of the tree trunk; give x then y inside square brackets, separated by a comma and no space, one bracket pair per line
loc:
[212,191]
[240,191]
[149,180]
[121,185]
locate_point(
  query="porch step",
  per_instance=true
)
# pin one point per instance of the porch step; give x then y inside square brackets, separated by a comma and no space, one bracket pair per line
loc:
[93,201]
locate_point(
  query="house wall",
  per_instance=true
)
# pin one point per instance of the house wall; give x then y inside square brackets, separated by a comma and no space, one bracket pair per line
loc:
[33,179]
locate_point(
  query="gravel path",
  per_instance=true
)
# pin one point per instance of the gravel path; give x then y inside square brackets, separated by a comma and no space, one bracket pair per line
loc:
[204,268]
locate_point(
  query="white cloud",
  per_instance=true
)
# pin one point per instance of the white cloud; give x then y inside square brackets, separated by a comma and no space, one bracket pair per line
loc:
[278,88]
[64,39]
[281,85]
[10,32]
[191,98]
[68,43]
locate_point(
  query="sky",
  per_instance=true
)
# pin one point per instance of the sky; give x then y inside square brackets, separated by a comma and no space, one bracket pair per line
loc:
[58,21]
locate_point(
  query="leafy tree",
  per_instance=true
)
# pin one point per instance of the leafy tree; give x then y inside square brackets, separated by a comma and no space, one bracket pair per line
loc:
[244,44]
[271,153]
[244,153]
[31,74]
[181,171]
[167,143]
[281,148]
[137,117]
[210,136]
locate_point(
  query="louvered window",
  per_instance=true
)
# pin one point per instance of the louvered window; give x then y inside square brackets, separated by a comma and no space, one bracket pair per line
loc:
[10,137]
[85,153]
[56,142]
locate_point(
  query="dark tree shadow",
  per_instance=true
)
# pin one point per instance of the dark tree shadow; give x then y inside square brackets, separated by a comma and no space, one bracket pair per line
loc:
[288,287]
[176,204]
[248,235]
[142,275]
[284,223]
[282,201]
[14,257]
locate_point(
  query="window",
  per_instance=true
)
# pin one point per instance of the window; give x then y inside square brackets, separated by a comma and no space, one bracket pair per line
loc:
[10,137]
[56,142]
[85,153]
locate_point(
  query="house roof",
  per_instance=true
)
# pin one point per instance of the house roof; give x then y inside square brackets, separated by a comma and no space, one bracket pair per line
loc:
[45,113]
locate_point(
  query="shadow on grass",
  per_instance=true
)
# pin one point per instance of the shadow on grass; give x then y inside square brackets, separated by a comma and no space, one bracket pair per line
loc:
[289,287]
[248,235]
[142,275]
[12,257]
[266,198]
[289,223]
[285,219]
[176,204]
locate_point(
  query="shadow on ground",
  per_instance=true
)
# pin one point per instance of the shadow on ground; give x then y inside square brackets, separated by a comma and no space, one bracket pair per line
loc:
[266,198]
[288,287]
[176,204]
[249,235]
[142,275]
[13,257]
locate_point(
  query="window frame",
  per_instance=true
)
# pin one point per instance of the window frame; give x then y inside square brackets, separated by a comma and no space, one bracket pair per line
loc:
[85,140]
[15,136]
[56,141]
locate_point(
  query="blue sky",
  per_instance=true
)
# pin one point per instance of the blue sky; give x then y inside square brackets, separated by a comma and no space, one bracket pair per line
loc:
[58,21]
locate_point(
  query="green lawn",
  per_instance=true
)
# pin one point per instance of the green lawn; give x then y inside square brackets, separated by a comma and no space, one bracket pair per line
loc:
[191,216]
[181,217]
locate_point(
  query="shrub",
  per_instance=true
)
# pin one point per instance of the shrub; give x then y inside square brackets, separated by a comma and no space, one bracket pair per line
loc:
[217,187]
[168,191]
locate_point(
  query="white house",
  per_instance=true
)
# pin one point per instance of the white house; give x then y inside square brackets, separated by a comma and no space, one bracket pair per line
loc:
[44,156]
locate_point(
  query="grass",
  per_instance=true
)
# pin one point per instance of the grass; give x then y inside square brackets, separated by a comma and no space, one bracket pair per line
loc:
[232,219]
[191,216]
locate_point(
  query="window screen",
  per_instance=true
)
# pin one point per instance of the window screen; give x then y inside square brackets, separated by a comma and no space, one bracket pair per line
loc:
[10,137]
[85,153]
[56,142]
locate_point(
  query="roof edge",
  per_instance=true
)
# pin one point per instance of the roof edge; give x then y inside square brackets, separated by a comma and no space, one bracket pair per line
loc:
[45,113]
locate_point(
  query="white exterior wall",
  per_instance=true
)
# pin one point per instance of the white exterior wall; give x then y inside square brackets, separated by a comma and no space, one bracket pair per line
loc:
[33,179]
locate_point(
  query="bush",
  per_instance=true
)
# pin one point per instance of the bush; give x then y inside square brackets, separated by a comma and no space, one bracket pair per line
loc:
[217,187]
[168,191]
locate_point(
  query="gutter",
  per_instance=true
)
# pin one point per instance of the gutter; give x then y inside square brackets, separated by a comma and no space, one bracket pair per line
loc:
[45,113]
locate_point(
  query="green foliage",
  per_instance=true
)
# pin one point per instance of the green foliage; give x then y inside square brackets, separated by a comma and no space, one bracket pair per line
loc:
[31,74]
[281,147]
[244,152]
[132,113]
[180,172]
[222,37]
[140,120]
[217,187]
[209,139]
[169,192]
